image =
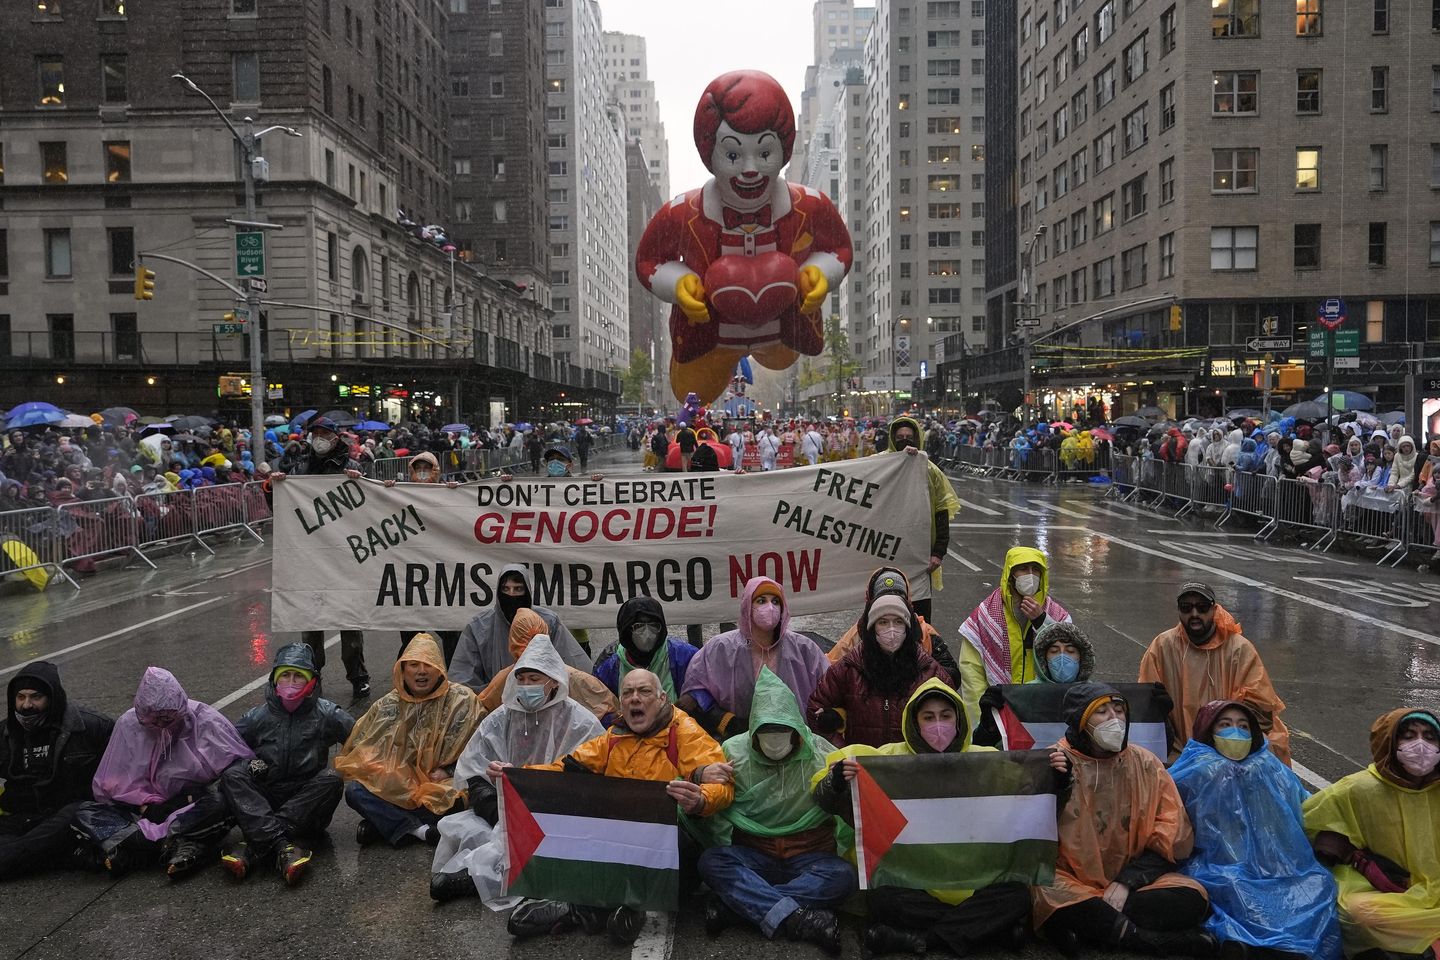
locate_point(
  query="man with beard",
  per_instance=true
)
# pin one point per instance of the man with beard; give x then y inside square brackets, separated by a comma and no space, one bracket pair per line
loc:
[1205,657]
[484,646]
[49,749]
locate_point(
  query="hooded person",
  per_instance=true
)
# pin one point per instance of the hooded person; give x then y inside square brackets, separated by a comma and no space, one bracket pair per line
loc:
[645,644]
[861,699]
[49,750]
[998,638]
[584,688]
[1063,654]
[1379,832]
[914,921]
[284,799]
[1122,829]
[1405,468]
[1266,888]
[535,722]
[397,762]
[775,866]
[1205,657]
[1234,441]
[892,580]
[944,507]
[721,677]
[484,645]
[653,740]
[156,790]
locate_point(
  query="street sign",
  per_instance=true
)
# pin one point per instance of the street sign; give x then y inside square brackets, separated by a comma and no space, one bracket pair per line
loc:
[1332,313]
[250,254]
[1347,343]
[1347,363]
[228,328]
[258,284]
[1266,344]
[1032,322]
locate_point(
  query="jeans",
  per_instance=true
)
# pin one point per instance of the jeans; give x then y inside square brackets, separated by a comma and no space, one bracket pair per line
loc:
[271,813]
[392,821]
[30,844]
[352,652]
[765,890]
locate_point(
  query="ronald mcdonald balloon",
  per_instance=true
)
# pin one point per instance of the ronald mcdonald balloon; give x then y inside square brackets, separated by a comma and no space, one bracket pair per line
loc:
[747,259]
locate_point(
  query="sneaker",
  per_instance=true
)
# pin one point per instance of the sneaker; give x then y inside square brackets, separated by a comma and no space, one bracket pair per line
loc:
[184,856]
[367,833]
[361,688]
[432,835]
[533,918]
[455,885]
[814,925]
[236,860]
[625,924]
[292,862]
[718,916]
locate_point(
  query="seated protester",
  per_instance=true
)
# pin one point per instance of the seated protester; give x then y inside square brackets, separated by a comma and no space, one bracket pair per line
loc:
[1268,895]
[1063,654]
[484,645]
[779,871]
[1205,657]
[49,749]
[585,689]
[535,722]
[155,790]
[1377,831]
[645,644]
[913,921]
[859,699]
[722,675]
[652,740]
[1122,831]
[892,580]
[397,762]
[998,637]
[285,798]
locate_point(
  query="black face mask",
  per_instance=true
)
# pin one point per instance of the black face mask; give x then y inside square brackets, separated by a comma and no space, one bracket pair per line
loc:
[510,605]
[901,442]
[30,718]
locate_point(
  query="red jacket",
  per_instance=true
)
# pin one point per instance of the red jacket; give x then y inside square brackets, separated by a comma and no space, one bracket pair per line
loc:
[870,718]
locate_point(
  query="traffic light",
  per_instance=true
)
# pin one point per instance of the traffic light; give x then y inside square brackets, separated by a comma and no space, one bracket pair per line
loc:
[229,317]
[144,283]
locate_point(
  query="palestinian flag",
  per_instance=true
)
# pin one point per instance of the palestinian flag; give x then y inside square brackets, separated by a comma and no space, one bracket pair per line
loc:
[1031,716]
[958,821]
[592,840]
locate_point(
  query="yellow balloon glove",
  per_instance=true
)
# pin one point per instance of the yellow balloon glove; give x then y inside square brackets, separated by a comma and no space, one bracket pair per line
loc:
[814,288]
[690,298]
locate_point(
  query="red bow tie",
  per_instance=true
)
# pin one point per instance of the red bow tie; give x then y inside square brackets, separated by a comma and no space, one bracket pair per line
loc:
[737,218]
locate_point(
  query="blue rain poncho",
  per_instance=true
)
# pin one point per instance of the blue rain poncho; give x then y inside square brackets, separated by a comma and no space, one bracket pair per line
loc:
[1251,853]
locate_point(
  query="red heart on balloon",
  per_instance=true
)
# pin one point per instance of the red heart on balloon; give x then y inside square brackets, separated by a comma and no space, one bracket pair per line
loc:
[752,290]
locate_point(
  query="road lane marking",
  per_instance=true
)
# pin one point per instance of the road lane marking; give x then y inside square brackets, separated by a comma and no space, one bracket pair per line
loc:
[972,567]
[112,634]
[257,683]
[1059,509]
[657,938]
[1308,775]
[250,566]
[970,505]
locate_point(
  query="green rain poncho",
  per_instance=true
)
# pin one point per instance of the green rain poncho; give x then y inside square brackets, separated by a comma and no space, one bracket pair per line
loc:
[773,799]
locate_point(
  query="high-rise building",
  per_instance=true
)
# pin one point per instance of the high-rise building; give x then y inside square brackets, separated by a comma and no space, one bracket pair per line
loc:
[649,315]
[1240,162]
[497,131]
[925,180]
[631,87]
[589,259]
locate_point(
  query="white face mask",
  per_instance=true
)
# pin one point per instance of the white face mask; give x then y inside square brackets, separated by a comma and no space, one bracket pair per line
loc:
[775,744]
[322,445]
[1028,584]
[1109,735]
[890,637]
[645,636]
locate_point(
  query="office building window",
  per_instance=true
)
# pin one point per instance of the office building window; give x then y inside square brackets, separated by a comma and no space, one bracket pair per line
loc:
[1167,107]
[1133,198]
[1167,31]
[1104,22]
[1134,271]
[1307,91]
[1375,248]
[114,79]
[57,254]
[1104,282]
[1307,168]
[1137,128]
[122,250]
[246,70]
[1380,21]
[1379,89]
[1307,18]
[1234,248]
[1434,244]
[1379,162]
[1235,93]
[1104,214]
[1233,171]
[1307,246]
[54,162]
[50,72]
[1105,150]
[1105,86]
[117,161]
[1167,180]
[62,335]
[1167,256]
[1234,18]
[1137,59]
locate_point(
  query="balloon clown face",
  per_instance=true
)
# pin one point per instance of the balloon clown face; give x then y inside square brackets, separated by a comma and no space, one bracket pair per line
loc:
[745,165]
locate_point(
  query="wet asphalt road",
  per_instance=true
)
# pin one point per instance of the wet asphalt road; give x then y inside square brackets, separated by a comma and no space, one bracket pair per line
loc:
[1344,640]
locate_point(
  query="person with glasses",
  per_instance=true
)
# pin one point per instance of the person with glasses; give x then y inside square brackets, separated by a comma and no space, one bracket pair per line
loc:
[1205,657]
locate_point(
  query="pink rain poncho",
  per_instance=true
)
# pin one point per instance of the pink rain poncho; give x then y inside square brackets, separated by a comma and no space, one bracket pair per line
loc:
[145,763]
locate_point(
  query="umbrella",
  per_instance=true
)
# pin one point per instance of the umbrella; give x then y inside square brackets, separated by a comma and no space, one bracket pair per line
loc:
[1244,413]
[151,428]
[119,414]
[34,418]
[1347,400]
[297,424]
[190,423]
[373,425]
[342,418]
[452,428]
[1133,421]
[20,408]
[275,420]
[1306,410]
[185,438]
[1065,424]
[522,427]
[74,421]
[1392,418]
[1151,413]
[586,421]
[1102,434]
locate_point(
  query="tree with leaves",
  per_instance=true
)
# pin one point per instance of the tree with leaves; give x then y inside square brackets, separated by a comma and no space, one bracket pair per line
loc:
[634,378]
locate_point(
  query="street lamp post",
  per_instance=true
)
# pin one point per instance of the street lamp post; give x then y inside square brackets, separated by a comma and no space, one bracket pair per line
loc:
[249,140]
[1028,257]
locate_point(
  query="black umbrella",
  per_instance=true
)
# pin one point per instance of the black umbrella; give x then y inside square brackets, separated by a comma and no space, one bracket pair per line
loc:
[1306,410]
[118,414]
[1133,421]
[342,418]
[1392,418]
[1244,413]
[1151,413]
[191,422]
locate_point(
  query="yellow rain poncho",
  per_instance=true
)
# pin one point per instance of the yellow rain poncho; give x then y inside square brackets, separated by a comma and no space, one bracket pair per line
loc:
[942,497]
[585,689]
[402,739]
[1374,811]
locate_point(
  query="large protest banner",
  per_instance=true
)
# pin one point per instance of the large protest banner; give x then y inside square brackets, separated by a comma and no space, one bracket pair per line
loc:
[355,554]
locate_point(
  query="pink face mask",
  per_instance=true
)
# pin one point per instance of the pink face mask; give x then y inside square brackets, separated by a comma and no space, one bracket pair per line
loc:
[1418,757]
[766,616]
[292,693]
[938,733]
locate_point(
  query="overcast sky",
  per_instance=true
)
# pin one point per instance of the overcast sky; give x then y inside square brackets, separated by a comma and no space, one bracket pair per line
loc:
[692,42]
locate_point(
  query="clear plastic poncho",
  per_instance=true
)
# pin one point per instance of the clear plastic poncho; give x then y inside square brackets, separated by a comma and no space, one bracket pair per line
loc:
[1251,853]
[514,735]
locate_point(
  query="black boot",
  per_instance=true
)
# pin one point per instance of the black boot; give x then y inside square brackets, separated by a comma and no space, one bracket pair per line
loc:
[1180,943]
[624,925]
[881,939]
[455,885]
[718,916]
[184,856]
[535,917]
[814,925]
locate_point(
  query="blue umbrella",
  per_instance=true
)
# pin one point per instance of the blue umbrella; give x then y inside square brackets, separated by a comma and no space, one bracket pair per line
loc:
[34,418]
[300,420]
[29,405]
[371,425]
[455,428]
[1348,400]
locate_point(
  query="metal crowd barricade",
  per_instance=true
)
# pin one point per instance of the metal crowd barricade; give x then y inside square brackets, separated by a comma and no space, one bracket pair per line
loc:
[1040,464]
[1179,485]
[1123,476]
[220,508]
[1150,485]
[1100,463]
[1304,505]
[101,528]
[167,518]
[1423,526]
[1253,496]
[32,539]
[257,506]
[1207,488]
[1378,518]
[387,468]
